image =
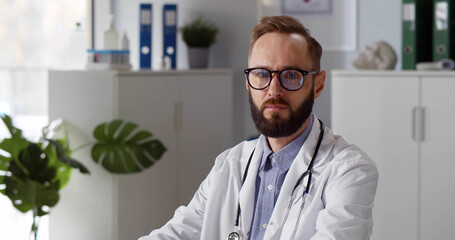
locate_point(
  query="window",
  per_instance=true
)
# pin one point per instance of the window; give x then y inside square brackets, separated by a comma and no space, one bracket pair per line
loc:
[35,35]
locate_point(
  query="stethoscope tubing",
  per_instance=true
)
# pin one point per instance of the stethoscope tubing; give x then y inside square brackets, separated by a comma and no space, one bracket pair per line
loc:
[235,235]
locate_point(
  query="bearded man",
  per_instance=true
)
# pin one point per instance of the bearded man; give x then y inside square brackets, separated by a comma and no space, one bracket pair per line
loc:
[297,180]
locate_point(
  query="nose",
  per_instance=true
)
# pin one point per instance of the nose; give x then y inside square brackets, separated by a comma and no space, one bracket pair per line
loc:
[275,89]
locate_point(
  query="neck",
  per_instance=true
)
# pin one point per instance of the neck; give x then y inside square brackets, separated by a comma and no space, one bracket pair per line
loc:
[276,144]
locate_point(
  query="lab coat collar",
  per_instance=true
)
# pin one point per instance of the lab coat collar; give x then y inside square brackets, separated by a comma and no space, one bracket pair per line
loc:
[247,192]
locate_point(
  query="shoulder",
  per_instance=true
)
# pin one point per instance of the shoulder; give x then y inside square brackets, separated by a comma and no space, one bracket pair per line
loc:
[342,156]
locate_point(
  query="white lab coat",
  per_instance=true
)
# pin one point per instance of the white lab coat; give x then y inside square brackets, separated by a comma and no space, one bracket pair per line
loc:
[338,206]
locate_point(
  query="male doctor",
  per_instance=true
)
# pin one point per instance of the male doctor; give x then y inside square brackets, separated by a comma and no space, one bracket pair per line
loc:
[297,180]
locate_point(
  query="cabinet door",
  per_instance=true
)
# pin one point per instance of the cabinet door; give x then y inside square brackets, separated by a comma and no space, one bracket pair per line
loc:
[85,210]
[374,112]
[438,178]
[147,200]
[206,127]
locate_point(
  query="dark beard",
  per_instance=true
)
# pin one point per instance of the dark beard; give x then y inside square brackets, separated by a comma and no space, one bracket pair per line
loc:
[276,126]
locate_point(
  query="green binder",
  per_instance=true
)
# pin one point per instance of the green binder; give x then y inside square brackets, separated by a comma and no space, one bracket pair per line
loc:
[443,30]
[416,39]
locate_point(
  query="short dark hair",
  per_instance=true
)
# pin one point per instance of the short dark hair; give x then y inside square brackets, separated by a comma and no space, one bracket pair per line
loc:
[287,24]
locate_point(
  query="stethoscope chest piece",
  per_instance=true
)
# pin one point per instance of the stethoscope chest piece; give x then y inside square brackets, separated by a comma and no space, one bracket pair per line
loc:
[235,236]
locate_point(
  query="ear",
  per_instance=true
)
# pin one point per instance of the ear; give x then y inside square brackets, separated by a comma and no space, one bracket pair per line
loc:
[246,83]
[319,82]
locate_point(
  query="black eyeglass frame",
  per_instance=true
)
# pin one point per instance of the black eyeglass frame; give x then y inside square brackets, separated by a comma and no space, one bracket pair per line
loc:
[303,72]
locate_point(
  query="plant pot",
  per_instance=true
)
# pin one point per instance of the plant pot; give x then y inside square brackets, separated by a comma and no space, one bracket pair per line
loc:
[198,57]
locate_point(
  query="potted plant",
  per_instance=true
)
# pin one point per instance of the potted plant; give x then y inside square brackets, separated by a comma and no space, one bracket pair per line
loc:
[199,35]
[32,173]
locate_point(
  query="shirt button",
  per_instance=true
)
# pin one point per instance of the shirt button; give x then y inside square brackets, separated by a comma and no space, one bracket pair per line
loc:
[264,225]
[270,187]
[273,160]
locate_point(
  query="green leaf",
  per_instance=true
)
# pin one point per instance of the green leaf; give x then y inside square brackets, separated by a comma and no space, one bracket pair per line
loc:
[36,162]
[2,178]
[63,175]
[99,132]
[155,149]
[125,152]
[139,136]
[28,194]
[15,132]
[14,146]
[34,185]
[112,128]
[74,164]
[63,156]
[63,171]
[127,129]
[199,33]
[4,162]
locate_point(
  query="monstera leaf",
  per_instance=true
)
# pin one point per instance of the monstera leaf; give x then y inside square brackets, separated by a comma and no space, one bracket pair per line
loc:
[34,186]
[31,174]
[122,149]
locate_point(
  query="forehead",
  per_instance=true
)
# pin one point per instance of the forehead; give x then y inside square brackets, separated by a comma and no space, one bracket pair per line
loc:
[279,50]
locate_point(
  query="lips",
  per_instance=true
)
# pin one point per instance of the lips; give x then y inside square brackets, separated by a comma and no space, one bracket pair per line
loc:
[274,104]
[275,107]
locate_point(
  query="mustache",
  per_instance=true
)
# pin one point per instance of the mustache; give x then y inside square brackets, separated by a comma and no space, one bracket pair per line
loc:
[274,101]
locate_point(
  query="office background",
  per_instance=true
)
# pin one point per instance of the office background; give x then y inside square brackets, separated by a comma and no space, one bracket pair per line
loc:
[376,20]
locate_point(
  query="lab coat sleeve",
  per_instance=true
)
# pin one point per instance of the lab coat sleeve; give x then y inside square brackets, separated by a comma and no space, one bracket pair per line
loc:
[187,220]
[348,198]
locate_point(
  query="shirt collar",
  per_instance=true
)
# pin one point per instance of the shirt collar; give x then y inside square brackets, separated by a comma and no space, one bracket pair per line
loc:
[285,156]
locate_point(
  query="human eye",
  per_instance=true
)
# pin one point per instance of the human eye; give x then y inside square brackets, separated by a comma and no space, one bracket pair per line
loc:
[292,75]
[291,79]
[260,74]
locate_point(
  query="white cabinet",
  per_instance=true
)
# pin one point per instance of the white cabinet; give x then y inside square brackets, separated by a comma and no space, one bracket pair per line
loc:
[189,111]
[404,121]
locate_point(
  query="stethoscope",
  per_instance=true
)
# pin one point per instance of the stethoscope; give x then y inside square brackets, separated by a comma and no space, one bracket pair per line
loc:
[237,233]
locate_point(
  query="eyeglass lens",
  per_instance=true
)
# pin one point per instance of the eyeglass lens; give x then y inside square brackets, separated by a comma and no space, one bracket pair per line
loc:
[290,79]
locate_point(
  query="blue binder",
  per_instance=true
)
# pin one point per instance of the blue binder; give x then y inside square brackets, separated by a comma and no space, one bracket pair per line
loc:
[170,33]
[145,36]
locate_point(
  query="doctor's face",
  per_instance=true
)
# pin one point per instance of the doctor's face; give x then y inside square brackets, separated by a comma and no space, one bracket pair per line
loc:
[278,112]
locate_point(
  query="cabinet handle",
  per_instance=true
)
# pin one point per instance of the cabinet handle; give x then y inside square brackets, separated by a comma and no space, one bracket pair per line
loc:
[178,116]
[418,124]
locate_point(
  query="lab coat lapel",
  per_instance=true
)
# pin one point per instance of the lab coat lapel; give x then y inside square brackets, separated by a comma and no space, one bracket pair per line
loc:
[298,167]
[247,192]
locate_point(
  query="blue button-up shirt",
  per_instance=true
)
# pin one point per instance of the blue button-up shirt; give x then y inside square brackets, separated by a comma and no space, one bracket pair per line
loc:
[271,174]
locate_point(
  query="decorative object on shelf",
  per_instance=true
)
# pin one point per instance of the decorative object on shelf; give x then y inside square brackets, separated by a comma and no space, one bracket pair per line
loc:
[199,35]
[444,64]
[378,55]
[112,56]
[32,173]
[108,60]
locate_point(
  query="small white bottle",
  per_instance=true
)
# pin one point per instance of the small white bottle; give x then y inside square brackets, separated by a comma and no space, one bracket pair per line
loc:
[125,41]
[111,36]
[167,63]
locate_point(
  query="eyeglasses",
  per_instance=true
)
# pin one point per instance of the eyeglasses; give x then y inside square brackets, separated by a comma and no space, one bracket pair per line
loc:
[290,79]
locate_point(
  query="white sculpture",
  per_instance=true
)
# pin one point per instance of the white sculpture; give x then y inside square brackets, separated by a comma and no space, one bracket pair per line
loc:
[378,55]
